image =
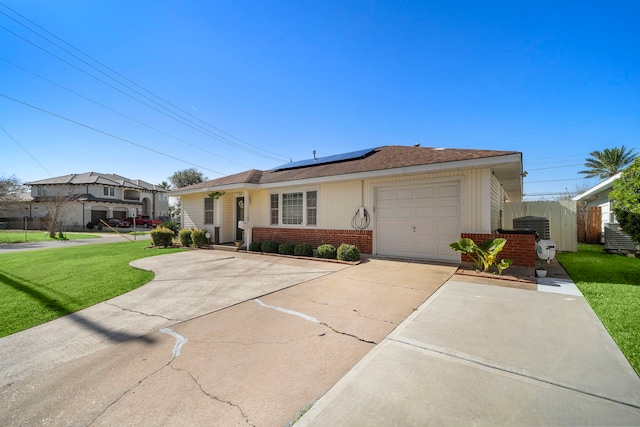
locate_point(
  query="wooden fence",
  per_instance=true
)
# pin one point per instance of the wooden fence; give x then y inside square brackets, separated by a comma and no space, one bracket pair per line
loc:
[562,215]
[589,224]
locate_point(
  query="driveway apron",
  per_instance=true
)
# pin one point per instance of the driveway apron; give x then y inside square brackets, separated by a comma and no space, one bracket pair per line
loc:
[215,339]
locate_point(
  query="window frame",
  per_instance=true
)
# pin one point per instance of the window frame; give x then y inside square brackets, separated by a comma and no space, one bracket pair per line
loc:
[277,207]
[109,190]
[211,211]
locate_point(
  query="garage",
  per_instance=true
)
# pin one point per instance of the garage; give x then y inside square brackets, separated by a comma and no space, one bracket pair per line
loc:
[418,221]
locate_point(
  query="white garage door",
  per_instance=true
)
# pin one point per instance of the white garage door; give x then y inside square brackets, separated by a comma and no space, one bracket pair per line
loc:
[418,221]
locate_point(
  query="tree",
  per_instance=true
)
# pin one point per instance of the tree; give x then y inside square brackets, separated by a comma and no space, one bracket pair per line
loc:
[625,200]
[10,189]
[605,164]
[187,177]
[57,202]
[165,185]
[577,189]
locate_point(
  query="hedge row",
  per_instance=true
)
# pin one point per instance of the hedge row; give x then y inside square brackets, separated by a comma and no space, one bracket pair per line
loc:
[163,236]
[344,252]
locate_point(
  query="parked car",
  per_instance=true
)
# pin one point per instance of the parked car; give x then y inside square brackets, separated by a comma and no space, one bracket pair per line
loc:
[117,222]
[144,220]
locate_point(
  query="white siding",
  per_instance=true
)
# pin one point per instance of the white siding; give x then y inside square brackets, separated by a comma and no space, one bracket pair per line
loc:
[227,224]
[259,205]
[193,210]
[497,203]
[338,202]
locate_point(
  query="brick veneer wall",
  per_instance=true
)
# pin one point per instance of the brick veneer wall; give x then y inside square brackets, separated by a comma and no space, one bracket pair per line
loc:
[362,239]
[520,248]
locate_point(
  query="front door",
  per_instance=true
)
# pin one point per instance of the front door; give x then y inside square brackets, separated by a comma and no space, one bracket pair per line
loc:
[239,216]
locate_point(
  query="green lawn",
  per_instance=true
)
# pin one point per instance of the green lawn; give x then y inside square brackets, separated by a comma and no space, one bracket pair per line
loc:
[42,285]
[611,285]
[18,236]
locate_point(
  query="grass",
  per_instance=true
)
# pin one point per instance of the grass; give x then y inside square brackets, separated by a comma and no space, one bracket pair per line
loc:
[42,285]
[18,236]
[611,285]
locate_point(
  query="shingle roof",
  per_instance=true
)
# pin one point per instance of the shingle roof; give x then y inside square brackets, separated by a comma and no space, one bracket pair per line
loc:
[382,158]
[97,178]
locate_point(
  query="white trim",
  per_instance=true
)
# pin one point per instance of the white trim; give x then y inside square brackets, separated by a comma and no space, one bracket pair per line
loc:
[486,200]
[604,185]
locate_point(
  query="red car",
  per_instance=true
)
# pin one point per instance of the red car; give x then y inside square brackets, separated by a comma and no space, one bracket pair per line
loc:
[116,222]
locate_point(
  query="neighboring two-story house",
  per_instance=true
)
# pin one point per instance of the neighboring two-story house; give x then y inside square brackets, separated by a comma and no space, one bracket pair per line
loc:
[93,196]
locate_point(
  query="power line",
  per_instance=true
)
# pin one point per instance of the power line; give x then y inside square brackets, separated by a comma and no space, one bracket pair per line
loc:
[26,151]
[181,119]
[555,167]
[107,133]
[119,113]
[557,127]
[554,180]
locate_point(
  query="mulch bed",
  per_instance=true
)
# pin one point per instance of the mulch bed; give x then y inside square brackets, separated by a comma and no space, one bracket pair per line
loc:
[515,275]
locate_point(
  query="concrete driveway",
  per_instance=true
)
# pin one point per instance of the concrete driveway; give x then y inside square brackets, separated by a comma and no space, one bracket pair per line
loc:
[216,338]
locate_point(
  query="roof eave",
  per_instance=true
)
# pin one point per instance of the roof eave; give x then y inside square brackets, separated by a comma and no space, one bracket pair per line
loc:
[210,188]
[593,192]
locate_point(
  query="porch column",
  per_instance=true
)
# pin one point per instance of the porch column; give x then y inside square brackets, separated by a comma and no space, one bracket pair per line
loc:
[247,218]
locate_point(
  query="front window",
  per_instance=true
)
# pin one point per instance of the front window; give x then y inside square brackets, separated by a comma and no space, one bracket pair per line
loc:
[292,208]
[208,210]
[300,208]
[41,190]
[274,209]
[312,207]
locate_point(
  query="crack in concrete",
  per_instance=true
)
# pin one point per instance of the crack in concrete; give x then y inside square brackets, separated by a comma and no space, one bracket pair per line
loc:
[259,342]
[348,334]
[355,279]
[340,307]
[310,319]
[142,313]
[127,391]
[213,397]
[195,381]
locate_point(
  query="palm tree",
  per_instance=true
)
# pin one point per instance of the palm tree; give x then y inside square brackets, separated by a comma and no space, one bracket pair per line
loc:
[605,164]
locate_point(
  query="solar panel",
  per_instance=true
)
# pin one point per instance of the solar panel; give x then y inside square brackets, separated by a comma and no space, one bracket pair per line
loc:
[328,159]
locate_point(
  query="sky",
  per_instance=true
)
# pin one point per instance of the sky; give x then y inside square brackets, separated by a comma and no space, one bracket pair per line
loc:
[144,88]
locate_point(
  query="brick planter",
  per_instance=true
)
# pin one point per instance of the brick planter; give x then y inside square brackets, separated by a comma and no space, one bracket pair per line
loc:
[362,239]
[520,248]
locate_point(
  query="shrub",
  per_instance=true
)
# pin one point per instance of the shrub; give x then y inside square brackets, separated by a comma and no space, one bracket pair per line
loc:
[162,236]
[270,247]
[255,247]
[348,253]
[199,238]
[484,255]
[174,226]
[185,237]
[286,249]
[327,252]
[89,225]
[303,249]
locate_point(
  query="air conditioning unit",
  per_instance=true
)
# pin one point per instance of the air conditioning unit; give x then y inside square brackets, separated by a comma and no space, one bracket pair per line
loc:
[538,223]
